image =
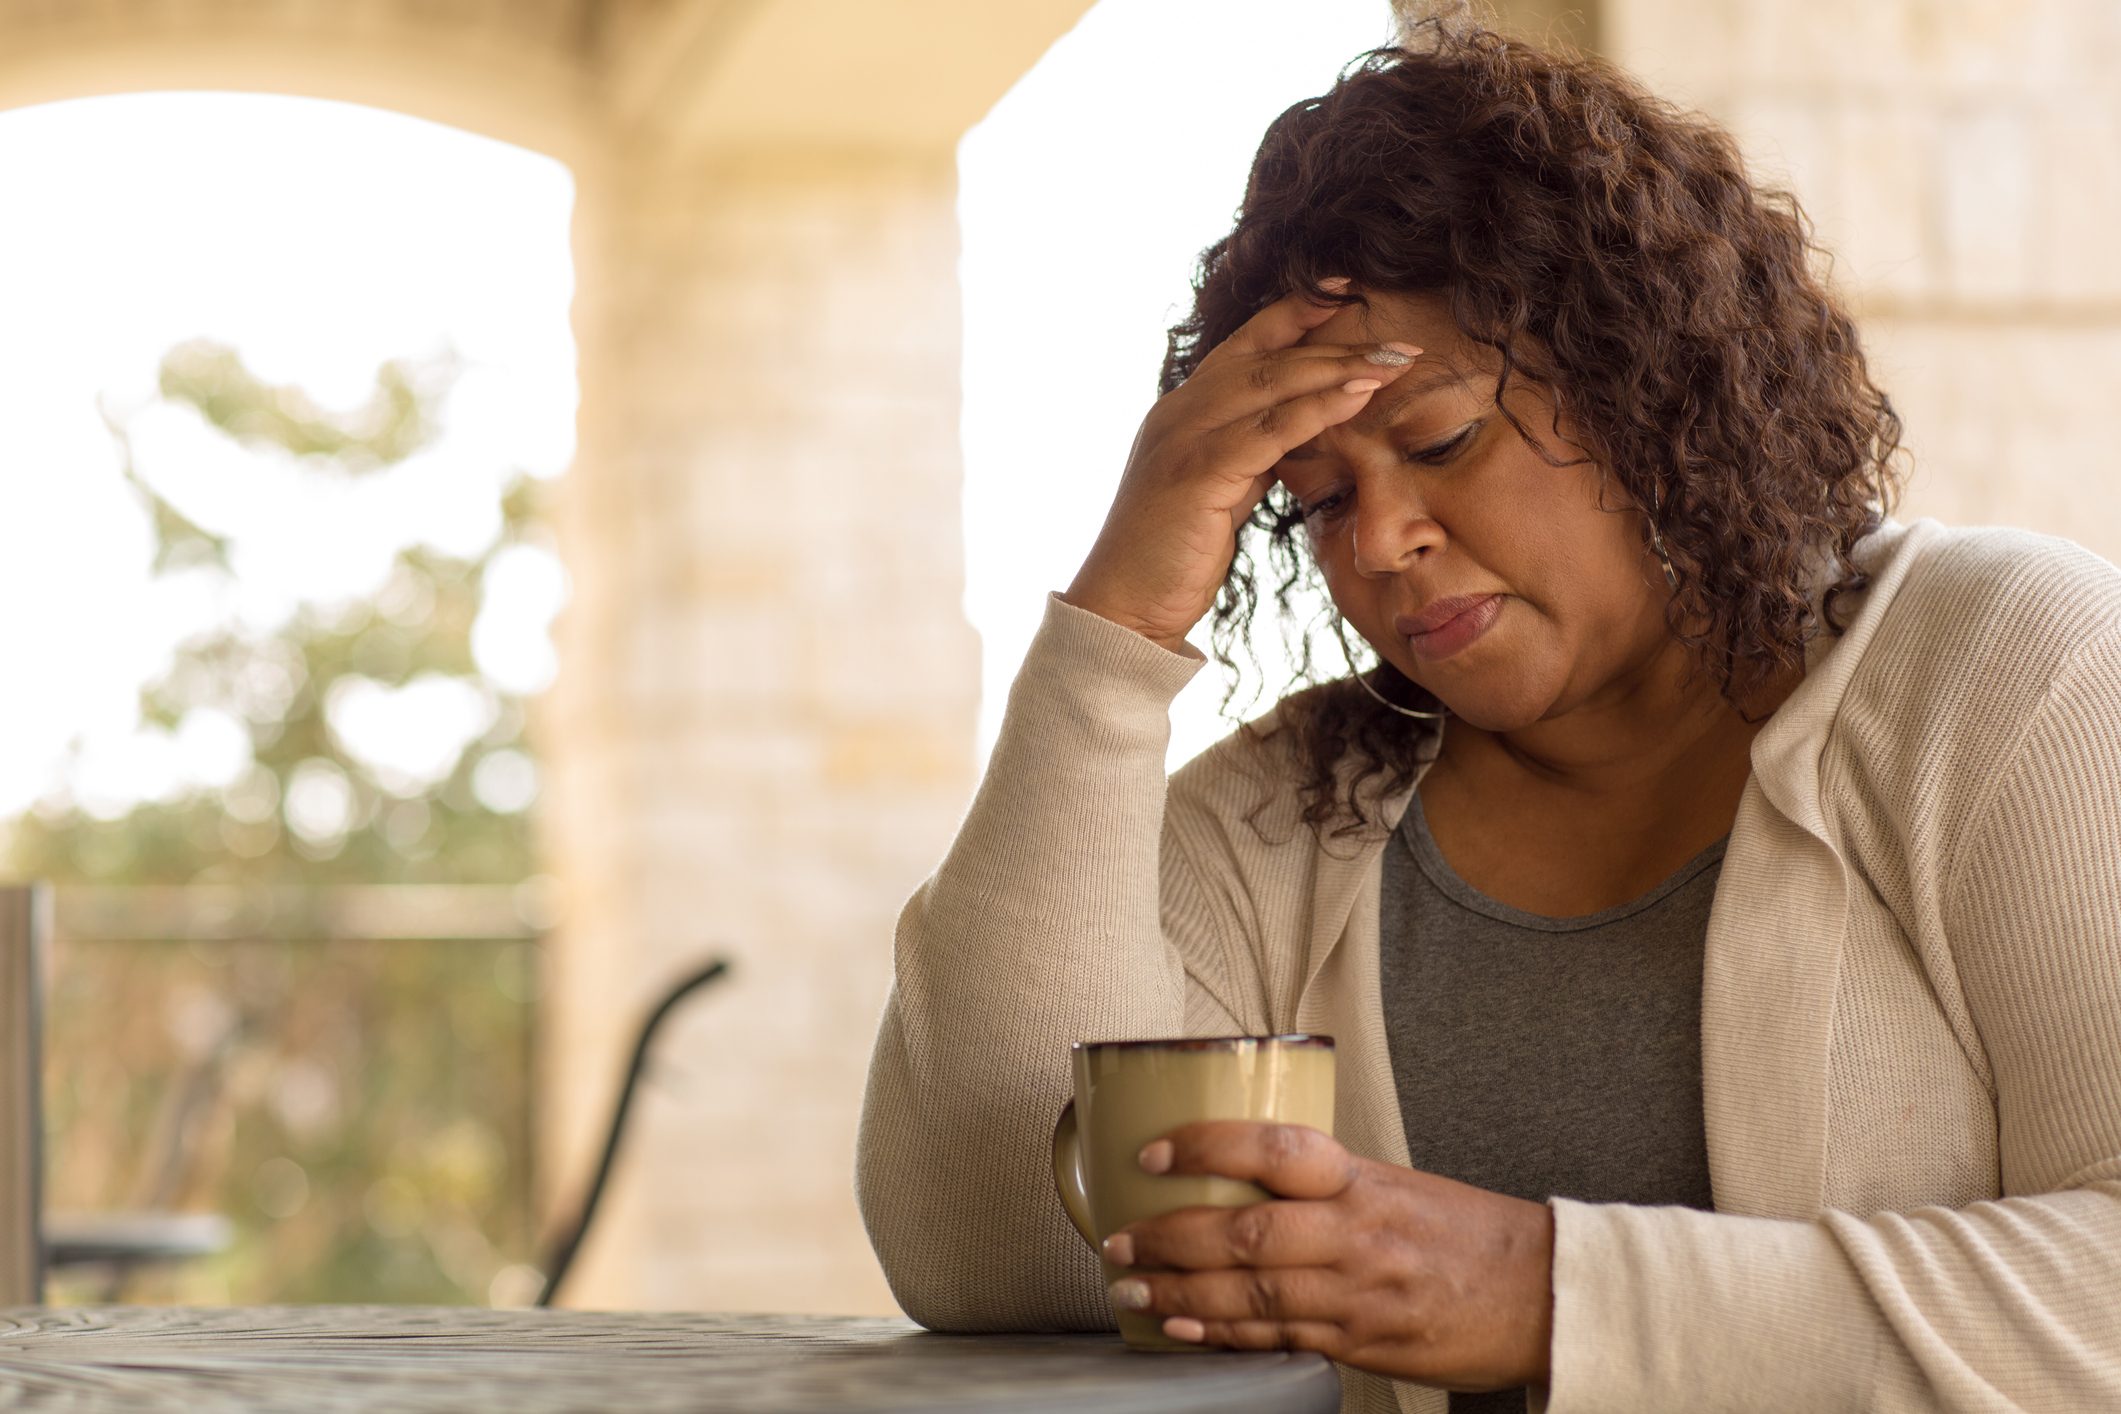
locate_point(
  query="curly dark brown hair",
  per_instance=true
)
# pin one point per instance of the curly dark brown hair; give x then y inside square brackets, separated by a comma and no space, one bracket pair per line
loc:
[1611,249]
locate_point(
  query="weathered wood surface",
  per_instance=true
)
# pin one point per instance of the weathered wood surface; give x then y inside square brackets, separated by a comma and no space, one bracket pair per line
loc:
[524,1362]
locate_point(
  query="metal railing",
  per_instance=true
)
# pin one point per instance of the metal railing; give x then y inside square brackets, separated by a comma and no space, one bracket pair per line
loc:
[84,921]
[25,923]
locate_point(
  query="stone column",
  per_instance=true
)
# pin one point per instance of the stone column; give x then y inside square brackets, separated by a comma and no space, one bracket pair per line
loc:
[767,698]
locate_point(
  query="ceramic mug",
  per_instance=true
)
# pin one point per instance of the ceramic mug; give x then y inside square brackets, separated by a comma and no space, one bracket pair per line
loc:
[1128,1093]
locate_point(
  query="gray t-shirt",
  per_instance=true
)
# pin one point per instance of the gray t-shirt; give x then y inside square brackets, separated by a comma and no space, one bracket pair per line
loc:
[1540,1056]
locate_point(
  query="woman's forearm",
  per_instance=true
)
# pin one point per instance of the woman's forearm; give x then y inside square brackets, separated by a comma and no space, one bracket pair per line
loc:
[1039,929]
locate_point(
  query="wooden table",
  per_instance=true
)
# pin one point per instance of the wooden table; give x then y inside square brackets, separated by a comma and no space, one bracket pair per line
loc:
[525,1362]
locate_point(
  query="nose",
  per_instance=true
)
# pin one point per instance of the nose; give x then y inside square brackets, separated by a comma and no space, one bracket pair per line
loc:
[1392,529]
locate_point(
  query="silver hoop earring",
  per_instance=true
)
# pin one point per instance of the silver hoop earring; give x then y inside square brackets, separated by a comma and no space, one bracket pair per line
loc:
[1671,576]
[1362,680]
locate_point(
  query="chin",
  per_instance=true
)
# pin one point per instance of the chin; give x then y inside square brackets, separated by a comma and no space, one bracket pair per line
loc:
[1496,707]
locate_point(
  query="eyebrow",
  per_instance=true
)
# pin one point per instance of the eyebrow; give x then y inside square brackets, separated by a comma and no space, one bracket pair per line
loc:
[1406,390]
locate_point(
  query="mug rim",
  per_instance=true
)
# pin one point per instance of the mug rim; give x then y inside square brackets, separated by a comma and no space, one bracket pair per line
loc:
[1211,1043]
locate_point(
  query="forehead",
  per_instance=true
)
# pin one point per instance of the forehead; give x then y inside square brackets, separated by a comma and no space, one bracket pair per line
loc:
[1423,320]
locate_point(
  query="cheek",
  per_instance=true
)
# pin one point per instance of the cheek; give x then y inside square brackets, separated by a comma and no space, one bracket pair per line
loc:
[1597,610]
[1349,591]
[1333,553]
[1331,538]
[1607,564]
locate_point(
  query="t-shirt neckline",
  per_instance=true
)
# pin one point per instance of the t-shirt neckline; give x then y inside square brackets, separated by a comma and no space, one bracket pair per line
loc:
[1414,834]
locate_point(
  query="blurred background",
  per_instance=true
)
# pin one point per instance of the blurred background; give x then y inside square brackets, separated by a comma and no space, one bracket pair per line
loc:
[503,500]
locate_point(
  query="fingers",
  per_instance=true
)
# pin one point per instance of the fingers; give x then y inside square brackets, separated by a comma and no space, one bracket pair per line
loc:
[1278,1234]
[1280,324]
[1327,1340]
[1257,492]
[1260,393]
[1288,1160]
[1304,1294]
[1251,442]
[1237,391]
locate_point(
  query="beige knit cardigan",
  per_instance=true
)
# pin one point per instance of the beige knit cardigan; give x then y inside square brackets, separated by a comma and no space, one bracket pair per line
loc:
[1910,1025]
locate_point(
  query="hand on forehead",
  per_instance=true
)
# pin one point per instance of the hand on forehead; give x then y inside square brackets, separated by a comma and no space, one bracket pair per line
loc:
[1422,320]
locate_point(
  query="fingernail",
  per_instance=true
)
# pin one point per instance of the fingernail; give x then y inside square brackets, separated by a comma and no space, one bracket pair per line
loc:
[1130,1294]
[1389,357]
[1119,1249]
[1185,1328]
[1361,385]
[1157,1157]
[1334,284]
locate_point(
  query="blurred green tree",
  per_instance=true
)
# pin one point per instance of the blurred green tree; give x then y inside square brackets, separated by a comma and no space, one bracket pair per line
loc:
[358,1108]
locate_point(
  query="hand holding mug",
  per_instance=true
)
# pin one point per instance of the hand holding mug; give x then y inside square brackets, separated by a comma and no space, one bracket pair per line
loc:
[1391,1270]
[1129,1092]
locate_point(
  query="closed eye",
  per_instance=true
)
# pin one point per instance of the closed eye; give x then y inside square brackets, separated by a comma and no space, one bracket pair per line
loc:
[1326,508]
[1322,508]
[1442,450]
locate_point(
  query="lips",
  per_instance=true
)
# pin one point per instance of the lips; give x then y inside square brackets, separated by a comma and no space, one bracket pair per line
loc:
[1438,613]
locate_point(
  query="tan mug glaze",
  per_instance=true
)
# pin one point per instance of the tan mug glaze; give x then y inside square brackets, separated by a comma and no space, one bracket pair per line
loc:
[1128,1093]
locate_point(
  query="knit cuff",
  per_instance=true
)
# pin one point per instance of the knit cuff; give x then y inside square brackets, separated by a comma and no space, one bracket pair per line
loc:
[1676,1308]
[1098,685]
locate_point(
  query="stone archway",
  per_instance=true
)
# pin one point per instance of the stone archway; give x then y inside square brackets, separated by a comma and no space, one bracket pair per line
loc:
[761,737]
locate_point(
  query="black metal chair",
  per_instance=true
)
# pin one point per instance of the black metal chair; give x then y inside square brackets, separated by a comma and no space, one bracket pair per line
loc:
[569,1241]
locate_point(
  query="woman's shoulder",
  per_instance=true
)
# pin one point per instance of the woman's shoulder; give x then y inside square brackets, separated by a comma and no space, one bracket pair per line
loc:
[1998,598]
[1974,629]
[2035,562]
[1989,646]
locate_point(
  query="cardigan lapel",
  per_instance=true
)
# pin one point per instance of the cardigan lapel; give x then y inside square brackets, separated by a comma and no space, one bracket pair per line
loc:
[1776,932]
[1341,993]
[1773,955]
[1366,1114]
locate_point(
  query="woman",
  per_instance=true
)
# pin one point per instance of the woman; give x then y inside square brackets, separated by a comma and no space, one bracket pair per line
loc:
[1714,887]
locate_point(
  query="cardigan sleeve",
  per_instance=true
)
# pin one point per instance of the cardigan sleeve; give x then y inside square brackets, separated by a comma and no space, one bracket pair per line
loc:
[2011,1303]
[1054,917]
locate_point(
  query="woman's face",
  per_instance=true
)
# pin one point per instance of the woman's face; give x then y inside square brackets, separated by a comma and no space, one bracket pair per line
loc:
[1429,495]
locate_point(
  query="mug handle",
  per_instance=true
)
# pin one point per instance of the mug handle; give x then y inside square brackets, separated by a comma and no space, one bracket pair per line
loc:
[1068,1173]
